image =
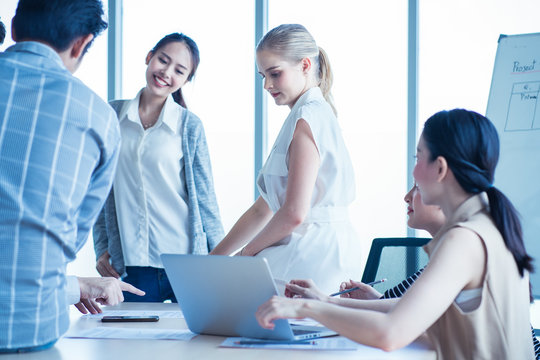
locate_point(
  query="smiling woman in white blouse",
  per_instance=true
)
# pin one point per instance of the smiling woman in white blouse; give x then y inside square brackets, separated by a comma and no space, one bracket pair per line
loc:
[163,198]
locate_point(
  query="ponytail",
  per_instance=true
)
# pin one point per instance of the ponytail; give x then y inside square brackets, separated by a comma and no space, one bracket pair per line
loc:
[326,78]
[506,219]
[470,144]
[179,98]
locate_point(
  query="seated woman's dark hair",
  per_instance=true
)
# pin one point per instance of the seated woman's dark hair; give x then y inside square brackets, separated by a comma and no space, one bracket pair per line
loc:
[58,22]
[470,144]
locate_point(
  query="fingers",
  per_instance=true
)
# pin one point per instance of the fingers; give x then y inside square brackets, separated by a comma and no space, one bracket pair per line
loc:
[124,286]
[279,308]
[295,289]
[266,314]
[364,291]
[112,292]
[104,267]
[346,285]
[81,308]
[88,305]
[302,282]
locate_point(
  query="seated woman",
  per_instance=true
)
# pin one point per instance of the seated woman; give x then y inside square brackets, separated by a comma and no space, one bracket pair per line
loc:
[420,216]
[478,254]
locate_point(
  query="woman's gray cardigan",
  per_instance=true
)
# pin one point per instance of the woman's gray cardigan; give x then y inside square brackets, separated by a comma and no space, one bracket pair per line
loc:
[205,226]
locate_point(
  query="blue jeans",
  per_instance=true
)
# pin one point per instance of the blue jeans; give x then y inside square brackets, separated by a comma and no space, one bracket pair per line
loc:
[153,281]
[28,349]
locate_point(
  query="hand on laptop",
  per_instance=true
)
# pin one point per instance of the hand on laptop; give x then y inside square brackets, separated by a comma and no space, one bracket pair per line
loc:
[279,307]
[304,289]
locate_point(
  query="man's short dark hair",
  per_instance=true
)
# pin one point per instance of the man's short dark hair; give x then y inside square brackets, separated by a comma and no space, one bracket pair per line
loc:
[58,22]
[2,32]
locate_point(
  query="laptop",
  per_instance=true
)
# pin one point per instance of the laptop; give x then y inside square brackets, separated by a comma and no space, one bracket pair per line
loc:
[219,295]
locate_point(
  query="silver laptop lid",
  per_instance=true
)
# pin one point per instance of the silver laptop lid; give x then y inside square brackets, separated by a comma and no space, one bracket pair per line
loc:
[219,295]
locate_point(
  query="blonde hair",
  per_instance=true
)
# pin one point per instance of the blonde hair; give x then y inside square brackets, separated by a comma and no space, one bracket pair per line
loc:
[293,42]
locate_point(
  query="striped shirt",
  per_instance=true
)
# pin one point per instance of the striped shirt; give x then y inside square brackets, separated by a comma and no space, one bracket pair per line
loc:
[58,151]
[402,287]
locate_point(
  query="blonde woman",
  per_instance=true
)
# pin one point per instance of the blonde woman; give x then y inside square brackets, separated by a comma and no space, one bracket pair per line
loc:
[300,223]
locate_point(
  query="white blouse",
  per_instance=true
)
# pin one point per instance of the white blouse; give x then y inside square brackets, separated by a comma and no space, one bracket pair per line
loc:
[149,188]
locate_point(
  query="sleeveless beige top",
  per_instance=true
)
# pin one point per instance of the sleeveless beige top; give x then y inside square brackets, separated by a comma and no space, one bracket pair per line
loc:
[500,327]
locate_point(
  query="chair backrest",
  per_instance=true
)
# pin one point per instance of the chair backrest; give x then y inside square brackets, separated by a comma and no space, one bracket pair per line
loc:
[394,259]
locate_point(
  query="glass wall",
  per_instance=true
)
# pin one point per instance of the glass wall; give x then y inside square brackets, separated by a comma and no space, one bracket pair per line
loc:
[367,46]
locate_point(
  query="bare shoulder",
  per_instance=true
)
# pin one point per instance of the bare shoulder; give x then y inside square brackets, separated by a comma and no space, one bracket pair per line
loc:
[303,138]
[303,127]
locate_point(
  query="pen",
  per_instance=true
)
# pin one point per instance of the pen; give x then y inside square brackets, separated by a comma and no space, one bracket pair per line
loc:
[357,288]
[262,342]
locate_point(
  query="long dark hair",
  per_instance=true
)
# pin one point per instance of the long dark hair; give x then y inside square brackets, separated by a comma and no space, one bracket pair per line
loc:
[195,59]
[470,144]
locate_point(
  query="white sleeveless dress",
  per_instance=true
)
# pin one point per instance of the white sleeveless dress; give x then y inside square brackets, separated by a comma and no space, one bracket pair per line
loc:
[324,247]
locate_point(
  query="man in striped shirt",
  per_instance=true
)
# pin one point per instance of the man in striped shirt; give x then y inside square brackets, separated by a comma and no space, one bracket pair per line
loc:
[58,150]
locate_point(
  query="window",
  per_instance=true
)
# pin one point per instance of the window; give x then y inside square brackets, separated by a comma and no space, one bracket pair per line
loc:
[458,43]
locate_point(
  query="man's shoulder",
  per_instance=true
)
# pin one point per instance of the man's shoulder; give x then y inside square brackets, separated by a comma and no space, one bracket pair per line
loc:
[85,97]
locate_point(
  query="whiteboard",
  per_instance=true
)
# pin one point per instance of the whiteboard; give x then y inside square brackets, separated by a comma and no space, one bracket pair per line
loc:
[514,108]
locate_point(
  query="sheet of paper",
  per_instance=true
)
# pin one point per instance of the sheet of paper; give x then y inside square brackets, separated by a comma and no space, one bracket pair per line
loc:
[108,332]
[163,314]
[332,343]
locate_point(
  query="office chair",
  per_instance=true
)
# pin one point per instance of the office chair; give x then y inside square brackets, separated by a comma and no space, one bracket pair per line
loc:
[394,259]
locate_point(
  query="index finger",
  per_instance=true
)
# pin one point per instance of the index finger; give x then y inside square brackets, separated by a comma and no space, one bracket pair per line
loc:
[124,286]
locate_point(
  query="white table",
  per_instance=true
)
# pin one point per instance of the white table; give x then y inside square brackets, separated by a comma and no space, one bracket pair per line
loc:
[200,347]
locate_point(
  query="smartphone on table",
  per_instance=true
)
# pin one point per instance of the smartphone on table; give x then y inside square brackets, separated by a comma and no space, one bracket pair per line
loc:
[123,318]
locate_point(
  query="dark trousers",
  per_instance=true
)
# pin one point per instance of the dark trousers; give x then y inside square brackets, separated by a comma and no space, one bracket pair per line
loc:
[153,281]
